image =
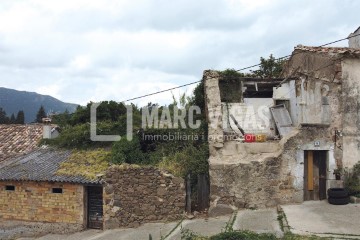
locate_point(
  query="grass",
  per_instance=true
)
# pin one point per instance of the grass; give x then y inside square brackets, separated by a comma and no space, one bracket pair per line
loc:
[230,223]
[172,230]
[244,235]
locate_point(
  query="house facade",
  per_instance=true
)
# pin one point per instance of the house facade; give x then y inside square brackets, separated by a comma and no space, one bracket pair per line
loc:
[309,118]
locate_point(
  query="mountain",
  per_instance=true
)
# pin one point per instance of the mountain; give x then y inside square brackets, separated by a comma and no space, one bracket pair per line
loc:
[12,101]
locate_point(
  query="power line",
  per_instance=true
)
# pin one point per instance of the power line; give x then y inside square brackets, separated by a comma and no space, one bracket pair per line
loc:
[150,94]
[252,66]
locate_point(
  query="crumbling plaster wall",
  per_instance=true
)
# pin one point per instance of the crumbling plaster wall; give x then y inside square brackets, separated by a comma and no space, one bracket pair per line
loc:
[317,89]
[351,114]
[268,179]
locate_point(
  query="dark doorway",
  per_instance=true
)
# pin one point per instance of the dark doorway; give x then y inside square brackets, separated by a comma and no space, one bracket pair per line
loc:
[315,166]
[95,207]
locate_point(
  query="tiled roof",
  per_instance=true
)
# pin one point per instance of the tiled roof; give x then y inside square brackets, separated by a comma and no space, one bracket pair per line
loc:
[328,50]
[39,165]
[18,139]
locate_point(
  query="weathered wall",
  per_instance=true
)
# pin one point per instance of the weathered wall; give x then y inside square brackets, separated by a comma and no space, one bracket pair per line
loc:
[135,195]
[34,201]
[213,110]
[318,90]
[274,180]
[351,114]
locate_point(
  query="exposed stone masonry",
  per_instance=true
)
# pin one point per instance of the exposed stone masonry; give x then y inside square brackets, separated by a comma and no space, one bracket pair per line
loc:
[134,195]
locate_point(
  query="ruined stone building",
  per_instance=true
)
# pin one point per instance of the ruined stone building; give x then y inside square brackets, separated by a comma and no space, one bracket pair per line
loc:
[298,129]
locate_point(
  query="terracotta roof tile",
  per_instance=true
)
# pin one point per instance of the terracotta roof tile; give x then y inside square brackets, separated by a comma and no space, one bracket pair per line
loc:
[328,50]
[18,139]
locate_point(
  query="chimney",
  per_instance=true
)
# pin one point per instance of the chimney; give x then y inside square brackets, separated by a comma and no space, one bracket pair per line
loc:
[354,39]
[46,128]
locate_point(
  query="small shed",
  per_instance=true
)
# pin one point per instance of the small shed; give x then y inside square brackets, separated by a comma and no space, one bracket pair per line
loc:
[32,190]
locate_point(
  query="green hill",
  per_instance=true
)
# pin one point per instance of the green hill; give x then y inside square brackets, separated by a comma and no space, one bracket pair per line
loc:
[12,101]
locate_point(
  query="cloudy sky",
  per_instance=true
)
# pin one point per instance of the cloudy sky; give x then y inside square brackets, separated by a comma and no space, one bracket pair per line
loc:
[82,50]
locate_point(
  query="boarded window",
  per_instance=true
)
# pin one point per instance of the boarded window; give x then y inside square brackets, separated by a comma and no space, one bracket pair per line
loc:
[282,119]
[10,188]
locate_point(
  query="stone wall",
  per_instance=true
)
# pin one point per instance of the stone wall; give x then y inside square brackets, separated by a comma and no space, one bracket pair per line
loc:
[35,202]
[267,182]
[134,195]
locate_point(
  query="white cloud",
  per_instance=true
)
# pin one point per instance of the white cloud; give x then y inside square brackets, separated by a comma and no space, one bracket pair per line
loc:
[87,50]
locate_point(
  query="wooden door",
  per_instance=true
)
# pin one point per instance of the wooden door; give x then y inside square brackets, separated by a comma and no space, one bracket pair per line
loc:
[95,207]
[315,166]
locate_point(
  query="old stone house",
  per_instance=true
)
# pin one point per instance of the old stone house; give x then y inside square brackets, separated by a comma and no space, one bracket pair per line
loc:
[310,120]
[32,189]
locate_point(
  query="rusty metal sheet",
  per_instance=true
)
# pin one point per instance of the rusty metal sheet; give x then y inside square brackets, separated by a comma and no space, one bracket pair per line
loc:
[282,119]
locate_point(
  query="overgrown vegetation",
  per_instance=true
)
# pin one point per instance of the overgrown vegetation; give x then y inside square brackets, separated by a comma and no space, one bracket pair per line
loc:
[186,153]
[352,180]
[269,68]
[85,163]
[231,87]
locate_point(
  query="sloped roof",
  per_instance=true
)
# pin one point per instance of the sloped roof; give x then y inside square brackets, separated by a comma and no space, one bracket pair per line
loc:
[329,50]
[16,139]
[40,165]
[356,30]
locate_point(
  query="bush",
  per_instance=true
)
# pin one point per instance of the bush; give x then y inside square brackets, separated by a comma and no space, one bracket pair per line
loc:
[125,151]
[78,136]
[352,180]
[189,160]
[242,235]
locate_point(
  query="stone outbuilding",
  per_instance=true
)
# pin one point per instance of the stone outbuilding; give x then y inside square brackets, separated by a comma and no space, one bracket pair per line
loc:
[31,190]
[278,141]
[35,188]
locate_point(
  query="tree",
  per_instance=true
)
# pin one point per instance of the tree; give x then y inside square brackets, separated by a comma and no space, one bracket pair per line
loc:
[40,114]
[3,118]
[20,117]
[269,68]
[12,119]
[62,119]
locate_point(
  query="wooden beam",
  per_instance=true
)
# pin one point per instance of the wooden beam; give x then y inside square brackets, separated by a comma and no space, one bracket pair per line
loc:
[310,172]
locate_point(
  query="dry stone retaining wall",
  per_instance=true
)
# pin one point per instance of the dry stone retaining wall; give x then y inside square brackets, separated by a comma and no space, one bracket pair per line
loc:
[134,195]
